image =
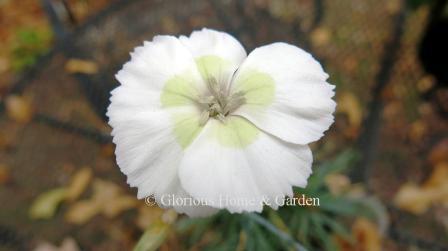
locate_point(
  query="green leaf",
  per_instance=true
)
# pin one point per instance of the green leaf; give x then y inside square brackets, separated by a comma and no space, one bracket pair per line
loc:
[46,204]
[340,206]
[336,227]
[320,232]
[153,237]
[342,162]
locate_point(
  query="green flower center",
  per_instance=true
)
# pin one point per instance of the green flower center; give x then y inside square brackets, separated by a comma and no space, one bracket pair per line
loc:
[219,102]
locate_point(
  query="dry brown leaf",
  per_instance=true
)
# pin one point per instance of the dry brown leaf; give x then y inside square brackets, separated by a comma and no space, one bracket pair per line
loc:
[107,199]
[119,204]
[79,183]
[367,235]
[413,199]
[81,66]
[82,211]
[68,244]
[337,183]
[349,104]
[439,176]
[18,108]
[320,36]
[417,199]
[439,153]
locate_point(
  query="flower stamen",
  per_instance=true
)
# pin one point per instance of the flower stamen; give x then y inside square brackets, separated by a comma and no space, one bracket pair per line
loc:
[218,103]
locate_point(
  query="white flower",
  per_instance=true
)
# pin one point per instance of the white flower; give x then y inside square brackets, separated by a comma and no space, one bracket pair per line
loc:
[195,117]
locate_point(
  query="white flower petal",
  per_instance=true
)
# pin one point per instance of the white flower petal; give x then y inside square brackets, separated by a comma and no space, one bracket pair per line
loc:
[217,54]
[181,203]
[152,116]
[211,42]
[287,93]
[147,150]
[157,62]
[236,161]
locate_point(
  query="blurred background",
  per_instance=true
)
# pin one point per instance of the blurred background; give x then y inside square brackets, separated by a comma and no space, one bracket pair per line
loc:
[381,171]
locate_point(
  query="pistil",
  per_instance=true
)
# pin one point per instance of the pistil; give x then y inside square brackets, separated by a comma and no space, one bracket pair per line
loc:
[218,103]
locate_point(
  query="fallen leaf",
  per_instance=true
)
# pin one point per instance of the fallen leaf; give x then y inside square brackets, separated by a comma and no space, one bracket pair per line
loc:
[320,36]
[413,199]
[46,204]
[79,183]
[337,183]
[119,204]
[82,211]
[107,199]
[68,244]
[439,176]
[367,235]
[153,237]
[349,104]
[417,199]
[18,108]
[439,153]
[81,66]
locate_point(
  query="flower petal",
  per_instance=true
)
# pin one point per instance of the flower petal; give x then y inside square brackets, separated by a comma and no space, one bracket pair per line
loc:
[153,117]
[286,93]
[164,64]
[217,54]
[181,201]
[233,165]
[148,151]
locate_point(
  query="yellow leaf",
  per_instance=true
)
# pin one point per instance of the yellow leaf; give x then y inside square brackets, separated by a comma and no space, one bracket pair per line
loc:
[68,244]
[413,199]
[82,211]
[439,176]
[320,36]
[337,183]
[367,235]
[18,109]
[107,199]
[153,237]
[81,66]
[349,104]
[45,206]
[439,153]
[417,199]
[79,183]
[118,205]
